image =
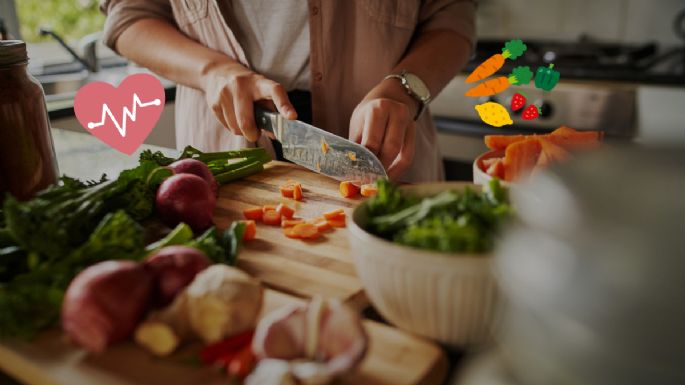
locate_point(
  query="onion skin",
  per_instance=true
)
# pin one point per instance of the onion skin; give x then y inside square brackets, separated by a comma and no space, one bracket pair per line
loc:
[195,167]
[186,198]
[105,302]
[173,268]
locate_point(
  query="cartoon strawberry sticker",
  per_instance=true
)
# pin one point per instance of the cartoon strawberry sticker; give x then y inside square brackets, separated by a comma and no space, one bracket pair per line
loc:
[518,101]
[531,112]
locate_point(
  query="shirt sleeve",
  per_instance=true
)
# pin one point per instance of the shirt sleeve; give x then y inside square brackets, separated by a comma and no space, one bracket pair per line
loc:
[455,15]
[121,14]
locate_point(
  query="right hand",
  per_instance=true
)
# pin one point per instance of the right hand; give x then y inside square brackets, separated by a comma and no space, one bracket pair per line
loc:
[231,91]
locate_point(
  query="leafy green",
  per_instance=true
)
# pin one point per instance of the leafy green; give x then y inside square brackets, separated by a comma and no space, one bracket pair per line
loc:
[46,241]
[451,221]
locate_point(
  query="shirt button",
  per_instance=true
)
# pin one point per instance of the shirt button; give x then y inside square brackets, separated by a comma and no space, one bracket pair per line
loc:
[315,10]
[318,76]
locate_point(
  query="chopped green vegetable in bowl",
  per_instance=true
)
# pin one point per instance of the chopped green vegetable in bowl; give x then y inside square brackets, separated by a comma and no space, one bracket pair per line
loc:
[451,221]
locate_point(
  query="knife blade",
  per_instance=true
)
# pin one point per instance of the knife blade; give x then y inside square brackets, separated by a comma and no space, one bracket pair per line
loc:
[321,151]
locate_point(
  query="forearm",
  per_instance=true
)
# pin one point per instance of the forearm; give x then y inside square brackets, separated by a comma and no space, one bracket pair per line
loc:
[159,46]
[436,57]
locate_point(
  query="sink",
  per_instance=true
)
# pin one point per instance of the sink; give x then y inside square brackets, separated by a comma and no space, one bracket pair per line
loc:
[65,85]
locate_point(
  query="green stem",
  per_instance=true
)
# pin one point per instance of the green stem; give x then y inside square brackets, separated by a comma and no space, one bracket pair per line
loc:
[247,169]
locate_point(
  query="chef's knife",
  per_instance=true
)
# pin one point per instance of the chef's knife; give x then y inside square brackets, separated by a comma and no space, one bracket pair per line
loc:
[321,151]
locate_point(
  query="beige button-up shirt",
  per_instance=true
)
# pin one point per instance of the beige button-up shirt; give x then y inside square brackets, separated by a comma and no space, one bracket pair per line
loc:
[354,44]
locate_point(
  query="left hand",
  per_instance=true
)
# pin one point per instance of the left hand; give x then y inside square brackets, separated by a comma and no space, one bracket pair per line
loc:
[384,123]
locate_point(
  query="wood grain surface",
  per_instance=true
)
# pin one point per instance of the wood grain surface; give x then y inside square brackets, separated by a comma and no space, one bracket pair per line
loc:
[303,268]
[394,358]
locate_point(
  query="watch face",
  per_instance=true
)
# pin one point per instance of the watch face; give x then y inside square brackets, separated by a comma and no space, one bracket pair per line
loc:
[417,86]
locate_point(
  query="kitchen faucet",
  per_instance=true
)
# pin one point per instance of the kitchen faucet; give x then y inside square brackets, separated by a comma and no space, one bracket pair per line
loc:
[89,44]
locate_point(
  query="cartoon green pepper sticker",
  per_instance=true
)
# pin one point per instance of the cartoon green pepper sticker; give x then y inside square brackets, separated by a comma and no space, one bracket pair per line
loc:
[546,78]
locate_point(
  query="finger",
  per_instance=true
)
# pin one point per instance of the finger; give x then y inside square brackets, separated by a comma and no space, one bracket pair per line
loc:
[244,113]
[394,137]
[356,126]
[228,112]
[406,156]
[375,120]
[269,89]
[219,113]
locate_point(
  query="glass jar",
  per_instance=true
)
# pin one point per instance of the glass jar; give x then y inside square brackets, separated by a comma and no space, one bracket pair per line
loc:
[27,155]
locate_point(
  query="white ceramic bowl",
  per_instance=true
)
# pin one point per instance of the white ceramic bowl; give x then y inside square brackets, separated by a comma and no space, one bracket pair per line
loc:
[480,177]
[446,297]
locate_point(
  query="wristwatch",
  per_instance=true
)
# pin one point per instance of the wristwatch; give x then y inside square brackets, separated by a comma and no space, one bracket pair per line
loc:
[415,87]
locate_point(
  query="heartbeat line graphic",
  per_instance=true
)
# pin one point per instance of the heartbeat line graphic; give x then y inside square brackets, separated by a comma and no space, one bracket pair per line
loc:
[128,114]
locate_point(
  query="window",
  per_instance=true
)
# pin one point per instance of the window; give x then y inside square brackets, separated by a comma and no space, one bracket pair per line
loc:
[72,20]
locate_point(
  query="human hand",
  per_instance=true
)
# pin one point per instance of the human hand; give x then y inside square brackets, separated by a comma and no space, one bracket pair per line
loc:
[384,123]
[231,91]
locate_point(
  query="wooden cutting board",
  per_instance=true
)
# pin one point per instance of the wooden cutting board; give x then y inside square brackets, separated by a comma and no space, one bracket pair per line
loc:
[322,267]
[394,358]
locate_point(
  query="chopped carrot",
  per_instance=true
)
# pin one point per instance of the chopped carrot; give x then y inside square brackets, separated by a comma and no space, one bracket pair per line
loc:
[288,231]
[337,222]
[290,222]
[266,208]
[272,218]
[324,146]
[352,156]
[254,213]
[348,189]
[250,230]
[369,190]
[297,192]
[305,231]
[321,224]
[337,213]
[287,190]
[285,210]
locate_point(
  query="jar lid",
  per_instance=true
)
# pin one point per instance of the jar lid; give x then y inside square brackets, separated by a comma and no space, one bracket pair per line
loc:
[12,52]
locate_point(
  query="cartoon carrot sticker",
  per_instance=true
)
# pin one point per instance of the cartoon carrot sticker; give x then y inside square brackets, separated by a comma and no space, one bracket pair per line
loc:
[512,50]
[519,76]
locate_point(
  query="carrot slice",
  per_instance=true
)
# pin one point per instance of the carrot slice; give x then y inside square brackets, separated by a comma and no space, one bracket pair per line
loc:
[288,231]
[290,222]
[287,191]
[500,142]
[250,230]
[272,218]
[321,224]
[369,190]
[266,208]
[348,189]
[297,192]
[337,222]
[520,159]
[324,146]
[253,213]
[285,210]
[306,231]
[334,214]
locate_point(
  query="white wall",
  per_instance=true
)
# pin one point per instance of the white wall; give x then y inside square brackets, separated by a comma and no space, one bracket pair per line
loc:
[634,21]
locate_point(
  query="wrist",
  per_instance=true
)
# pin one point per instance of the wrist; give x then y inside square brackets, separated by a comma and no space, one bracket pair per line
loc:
[220,67]
[394,90]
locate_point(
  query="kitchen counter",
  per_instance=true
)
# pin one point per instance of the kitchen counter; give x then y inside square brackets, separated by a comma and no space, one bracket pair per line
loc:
[289,268]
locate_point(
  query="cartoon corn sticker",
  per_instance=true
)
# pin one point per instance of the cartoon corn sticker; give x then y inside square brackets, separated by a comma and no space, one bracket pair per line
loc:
[494,114]
[512,50]
[519,76]
[546,78]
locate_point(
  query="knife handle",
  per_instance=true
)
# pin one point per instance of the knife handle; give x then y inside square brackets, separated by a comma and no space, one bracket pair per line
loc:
[265,120]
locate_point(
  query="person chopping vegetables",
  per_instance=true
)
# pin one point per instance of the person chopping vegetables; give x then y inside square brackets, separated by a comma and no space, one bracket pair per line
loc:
[361,69]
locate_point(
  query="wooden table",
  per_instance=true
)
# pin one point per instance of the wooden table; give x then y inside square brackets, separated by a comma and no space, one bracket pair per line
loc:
[293,270]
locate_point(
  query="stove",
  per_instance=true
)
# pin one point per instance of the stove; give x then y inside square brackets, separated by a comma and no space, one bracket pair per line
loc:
[597,91]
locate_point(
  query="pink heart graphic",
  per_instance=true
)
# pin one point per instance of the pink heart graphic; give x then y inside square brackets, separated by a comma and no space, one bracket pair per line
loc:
[123,116]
